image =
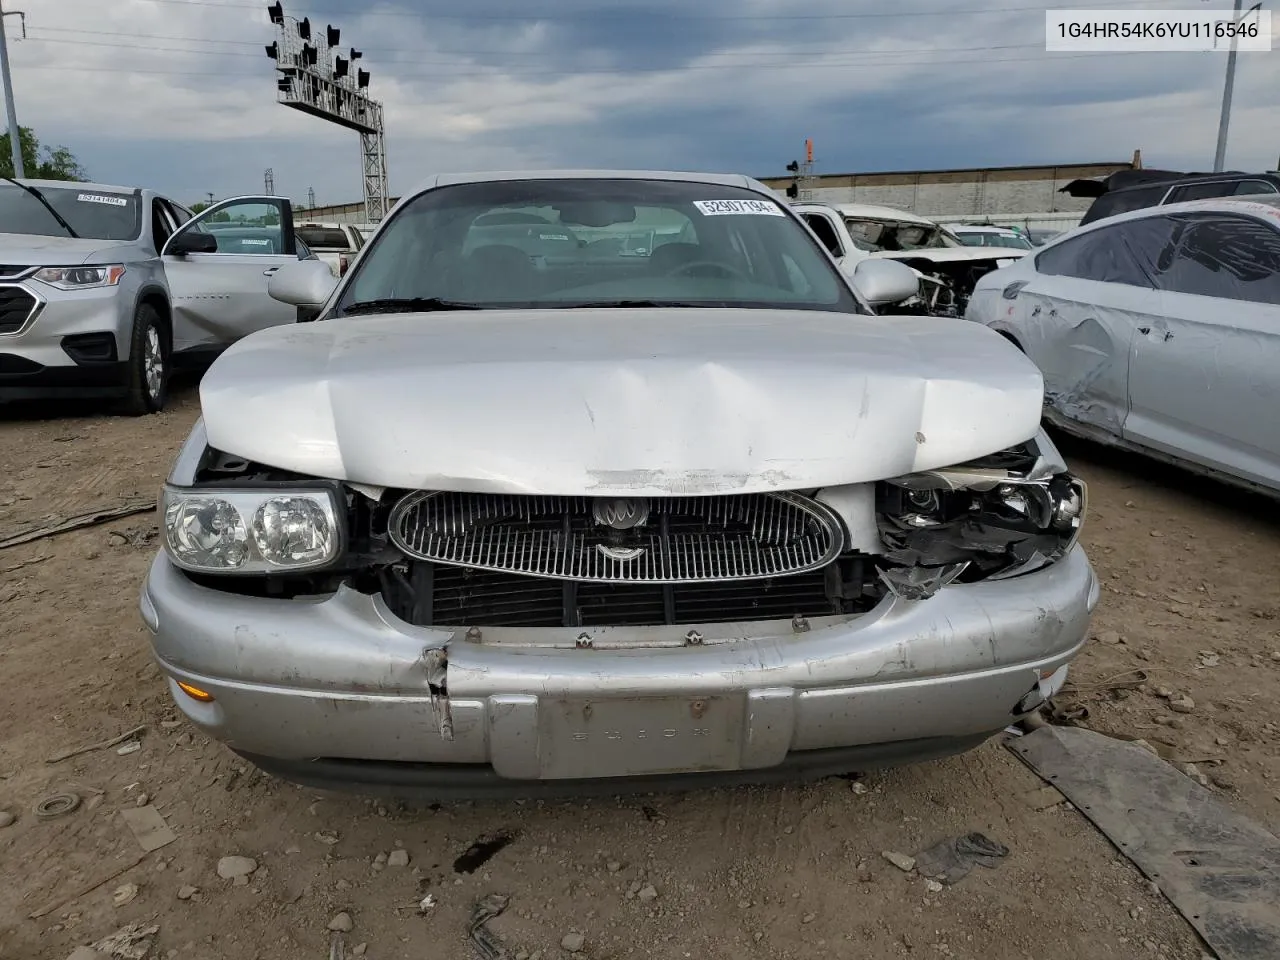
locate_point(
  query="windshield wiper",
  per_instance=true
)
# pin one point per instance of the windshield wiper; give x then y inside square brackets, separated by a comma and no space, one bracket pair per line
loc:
[47,205]
[602,304]
[406,305]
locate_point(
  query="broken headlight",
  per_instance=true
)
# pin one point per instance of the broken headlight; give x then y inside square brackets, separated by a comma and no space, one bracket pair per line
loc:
[967,524]
[221,530]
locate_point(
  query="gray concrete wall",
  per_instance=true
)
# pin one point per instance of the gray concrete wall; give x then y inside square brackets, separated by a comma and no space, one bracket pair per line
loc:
[1004,191]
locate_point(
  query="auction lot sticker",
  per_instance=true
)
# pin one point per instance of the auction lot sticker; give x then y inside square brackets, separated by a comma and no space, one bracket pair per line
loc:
[722,208]
[98,198]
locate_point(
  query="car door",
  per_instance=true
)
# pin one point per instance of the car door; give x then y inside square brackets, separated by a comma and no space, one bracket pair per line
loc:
[1204,379]
[1076,316]
[219,294]
[826,229]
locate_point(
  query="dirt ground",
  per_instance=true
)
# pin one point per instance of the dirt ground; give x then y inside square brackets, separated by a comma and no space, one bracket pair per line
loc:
[1189,598]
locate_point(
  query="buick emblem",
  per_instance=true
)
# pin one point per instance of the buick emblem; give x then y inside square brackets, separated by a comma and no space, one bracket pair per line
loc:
[622,513]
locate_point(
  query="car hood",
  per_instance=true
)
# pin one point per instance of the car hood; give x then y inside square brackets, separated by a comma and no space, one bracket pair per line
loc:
[954,254]
[632,402]
[22,249]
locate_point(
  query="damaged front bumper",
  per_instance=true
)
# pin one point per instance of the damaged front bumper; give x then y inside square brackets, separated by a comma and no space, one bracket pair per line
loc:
[314,684]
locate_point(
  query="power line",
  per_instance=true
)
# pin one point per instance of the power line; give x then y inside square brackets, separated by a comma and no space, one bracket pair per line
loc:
[799,49]
[490,74]
[416,56]
[580,16]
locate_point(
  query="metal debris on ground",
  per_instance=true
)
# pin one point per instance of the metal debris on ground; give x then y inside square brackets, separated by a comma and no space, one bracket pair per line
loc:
[951,860]
[100,745]
[129,943]
[337,946]
[486,942]
[124,894]
[91,518]
[56,805]
[1218,868]
[148,827]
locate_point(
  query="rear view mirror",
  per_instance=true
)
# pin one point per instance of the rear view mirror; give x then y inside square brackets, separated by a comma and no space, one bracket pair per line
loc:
[304,283]
[192,241]
[883,282]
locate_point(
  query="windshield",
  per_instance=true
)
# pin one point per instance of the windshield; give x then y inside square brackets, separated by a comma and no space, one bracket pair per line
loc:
[595,242]
[898,235]
[93,214]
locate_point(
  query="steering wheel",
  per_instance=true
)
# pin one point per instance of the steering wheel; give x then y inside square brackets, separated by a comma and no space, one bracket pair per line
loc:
[686,269]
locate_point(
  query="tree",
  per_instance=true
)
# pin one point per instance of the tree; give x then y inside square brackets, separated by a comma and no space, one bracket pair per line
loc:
[40,162]
[200,206]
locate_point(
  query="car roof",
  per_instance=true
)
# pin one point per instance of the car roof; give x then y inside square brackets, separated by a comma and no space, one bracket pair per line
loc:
[871,211]
[77,185]
[710,179]
[980,228]
[1265,206]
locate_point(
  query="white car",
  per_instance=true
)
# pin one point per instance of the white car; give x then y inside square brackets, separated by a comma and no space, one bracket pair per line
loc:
[1158,330]
[982,235]
[855,231]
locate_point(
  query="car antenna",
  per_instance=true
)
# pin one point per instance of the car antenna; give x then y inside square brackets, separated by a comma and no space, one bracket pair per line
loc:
[47,205]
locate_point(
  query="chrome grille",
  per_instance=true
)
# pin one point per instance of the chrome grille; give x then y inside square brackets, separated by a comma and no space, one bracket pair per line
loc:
[677,540]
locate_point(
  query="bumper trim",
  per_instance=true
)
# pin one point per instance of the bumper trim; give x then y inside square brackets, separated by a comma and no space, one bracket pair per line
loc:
[439,782]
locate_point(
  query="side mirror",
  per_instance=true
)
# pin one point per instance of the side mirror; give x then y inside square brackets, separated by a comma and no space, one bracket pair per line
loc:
[193,241]
[883,281]
[303,283]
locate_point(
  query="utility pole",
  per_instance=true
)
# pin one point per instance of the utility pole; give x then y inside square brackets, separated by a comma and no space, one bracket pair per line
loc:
[311,198]
[269,182]
[211,198]
[15,132]
[1228,89]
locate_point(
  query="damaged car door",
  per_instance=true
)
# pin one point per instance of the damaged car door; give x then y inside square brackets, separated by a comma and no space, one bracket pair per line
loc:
[1203,377]
[218,266]
[1077,317]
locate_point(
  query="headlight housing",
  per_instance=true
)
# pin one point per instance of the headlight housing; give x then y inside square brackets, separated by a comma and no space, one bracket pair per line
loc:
[975,523]
[258,531]
[81,278]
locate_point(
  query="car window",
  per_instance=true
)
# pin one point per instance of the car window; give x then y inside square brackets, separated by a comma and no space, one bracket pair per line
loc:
[1122,201]
[1106,254]
[1201,191]
[1253,188]
[825,231]
[180,213]
[93,213]
[247,227]
[323,238]
[566,243]
[1217,255]
[161,225]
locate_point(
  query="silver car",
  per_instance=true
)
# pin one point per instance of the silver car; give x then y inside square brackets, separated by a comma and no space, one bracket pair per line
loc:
[103,289]
[1159,331]
[562,516]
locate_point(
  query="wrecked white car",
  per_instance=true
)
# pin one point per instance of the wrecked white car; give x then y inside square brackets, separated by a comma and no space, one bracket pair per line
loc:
[947,268]
[1158,330]
[525,513]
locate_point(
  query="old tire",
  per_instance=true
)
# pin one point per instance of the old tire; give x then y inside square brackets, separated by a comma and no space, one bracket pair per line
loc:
[148,363]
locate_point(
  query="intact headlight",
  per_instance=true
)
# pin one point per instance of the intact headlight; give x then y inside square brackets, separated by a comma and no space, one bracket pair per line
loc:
[81,278]
[251,531]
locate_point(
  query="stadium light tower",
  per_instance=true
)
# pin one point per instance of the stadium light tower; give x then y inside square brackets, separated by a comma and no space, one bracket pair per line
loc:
[313,77]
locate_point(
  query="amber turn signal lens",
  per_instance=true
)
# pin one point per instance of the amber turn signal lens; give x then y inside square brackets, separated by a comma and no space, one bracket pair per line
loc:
[195,693]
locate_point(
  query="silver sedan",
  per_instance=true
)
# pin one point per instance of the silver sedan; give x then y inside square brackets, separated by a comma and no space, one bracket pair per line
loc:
[598,481]
[1159,331]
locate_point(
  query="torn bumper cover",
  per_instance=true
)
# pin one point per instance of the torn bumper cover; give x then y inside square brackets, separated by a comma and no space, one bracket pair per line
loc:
[341,677]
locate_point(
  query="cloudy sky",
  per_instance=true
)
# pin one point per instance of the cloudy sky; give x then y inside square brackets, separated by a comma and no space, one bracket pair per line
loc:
[179,94]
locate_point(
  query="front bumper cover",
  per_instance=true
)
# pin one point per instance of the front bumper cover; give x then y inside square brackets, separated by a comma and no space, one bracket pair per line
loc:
[341,678]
